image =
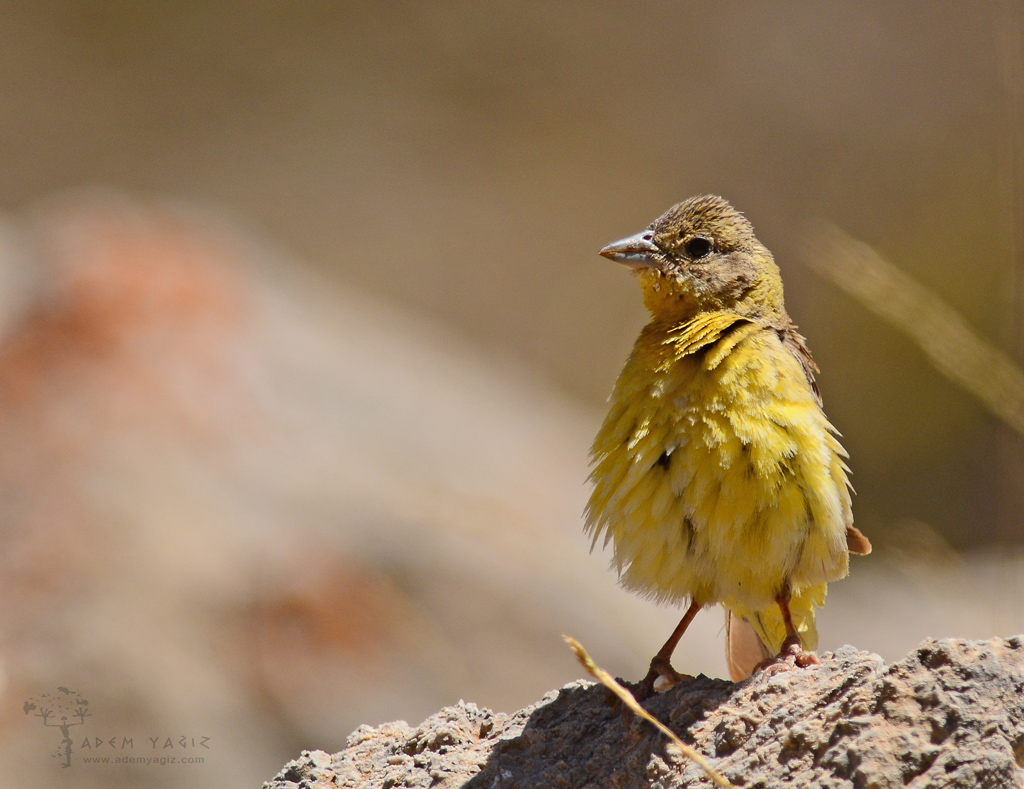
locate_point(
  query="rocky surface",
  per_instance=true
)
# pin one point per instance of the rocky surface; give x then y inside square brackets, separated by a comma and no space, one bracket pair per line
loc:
[950,714]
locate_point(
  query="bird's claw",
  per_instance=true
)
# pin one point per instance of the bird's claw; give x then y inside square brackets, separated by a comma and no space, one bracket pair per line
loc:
[791,656]
[660,677]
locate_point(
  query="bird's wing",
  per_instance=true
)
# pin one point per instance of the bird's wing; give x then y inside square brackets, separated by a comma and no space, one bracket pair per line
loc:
[796,344]
[856,542]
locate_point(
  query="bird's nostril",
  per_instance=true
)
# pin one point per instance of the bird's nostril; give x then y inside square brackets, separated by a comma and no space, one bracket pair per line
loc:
[648,236]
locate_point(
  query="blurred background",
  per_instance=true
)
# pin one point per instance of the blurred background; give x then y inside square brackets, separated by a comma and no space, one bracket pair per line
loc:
[304,337]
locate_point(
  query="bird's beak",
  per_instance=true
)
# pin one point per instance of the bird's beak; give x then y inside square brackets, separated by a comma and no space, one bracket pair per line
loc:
[636,251]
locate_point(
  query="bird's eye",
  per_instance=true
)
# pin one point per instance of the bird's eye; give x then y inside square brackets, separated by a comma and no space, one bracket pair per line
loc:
[698,247]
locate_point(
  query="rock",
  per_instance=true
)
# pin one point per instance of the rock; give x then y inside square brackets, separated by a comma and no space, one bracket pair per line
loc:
[950,714]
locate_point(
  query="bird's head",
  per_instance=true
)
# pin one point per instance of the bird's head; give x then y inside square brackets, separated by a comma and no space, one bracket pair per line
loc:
[702,256]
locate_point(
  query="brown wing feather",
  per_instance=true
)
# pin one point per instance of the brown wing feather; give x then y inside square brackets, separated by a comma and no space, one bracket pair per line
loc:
[795,342]
[856,542]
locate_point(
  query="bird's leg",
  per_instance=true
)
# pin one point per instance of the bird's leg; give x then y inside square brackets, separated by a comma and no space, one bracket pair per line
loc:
[661,664]
[792,647]
[792,652]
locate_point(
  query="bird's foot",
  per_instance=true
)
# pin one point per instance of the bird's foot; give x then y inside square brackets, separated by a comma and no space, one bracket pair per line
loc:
[791,656]
[660,678]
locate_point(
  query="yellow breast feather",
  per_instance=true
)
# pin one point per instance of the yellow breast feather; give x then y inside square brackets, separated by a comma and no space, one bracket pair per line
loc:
[716,475]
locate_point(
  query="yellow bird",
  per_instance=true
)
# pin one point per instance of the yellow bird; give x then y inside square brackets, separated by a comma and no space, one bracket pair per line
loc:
[717,476]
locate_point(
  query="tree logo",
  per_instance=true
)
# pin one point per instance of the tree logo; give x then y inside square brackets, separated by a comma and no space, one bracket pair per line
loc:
[62,710]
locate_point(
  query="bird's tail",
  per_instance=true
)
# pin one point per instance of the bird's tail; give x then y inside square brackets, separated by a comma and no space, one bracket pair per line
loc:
[753,636]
